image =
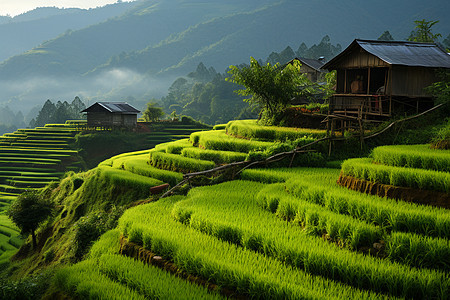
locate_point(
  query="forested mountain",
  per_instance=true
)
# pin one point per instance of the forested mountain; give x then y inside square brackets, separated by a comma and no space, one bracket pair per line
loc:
[139,53]
[25,31]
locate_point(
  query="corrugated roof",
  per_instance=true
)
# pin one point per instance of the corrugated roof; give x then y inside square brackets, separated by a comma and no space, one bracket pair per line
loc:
[402,53]
[313,63]
[114,107]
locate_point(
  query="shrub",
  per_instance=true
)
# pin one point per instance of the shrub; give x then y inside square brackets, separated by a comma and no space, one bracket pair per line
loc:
[89,228]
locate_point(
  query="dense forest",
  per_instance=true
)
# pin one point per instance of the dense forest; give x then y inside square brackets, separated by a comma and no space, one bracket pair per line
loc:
[137,54]
[206,95]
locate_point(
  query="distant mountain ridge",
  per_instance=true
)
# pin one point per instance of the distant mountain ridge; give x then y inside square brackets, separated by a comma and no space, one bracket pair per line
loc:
[25,31]
[138,53]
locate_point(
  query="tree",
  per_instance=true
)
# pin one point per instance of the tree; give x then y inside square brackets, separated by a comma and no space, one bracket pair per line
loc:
[270,86]
[46,114]
[77,106]
[386,36]
[28,211]
[152,113]
[422,32]
[63,112]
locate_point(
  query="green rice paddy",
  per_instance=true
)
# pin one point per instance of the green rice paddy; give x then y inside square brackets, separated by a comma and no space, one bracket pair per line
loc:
[284,233]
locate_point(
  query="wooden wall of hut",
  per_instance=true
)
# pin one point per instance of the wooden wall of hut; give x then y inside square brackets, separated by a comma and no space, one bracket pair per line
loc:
[411,81]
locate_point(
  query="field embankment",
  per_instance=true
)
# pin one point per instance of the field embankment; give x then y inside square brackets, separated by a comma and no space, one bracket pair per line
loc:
[283,232]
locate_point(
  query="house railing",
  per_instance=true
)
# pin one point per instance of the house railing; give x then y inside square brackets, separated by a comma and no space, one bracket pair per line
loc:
[357,104]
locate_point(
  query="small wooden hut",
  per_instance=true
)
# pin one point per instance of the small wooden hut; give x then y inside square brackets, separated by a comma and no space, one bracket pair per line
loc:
[377,78]
[111,114]
[312,68]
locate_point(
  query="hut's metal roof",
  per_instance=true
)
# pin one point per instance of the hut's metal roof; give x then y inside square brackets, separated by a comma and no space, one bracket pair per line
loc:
[112,107]
[400,53]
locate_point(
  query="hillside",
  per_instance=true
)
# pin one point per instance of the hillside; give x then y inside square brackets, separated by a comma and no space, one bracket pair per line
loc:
[278,232]
[30,29]
[141,51]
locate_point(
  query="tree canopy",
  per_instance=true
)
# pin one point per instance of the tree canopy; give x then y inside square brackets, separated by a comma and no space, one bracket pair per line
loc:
[59,112]
[422,32]
[28,211]
[152,113]
[271,87]
[386,36]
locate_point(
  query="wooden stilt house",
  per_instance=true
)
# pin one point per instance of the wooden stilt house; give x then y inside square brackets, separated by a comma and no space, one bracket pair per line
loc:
[111,114]
[376,79]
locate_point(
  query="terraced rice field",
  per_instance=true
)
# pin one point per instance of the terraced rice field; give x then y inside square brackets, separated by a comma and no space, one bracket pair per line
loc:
[275,233]
[416,166]
[30,159]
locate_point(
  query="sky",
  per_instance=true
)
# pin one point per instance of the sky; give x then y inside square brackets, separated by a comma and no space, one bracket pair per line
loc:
[16,7]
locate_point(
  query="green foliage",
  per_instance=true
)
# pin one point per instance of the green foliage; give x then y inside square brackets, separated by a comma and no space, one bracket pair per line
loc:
[324,48]
[441,89]
[442,138]
[330,87]
[386,36]
[59,113]
[90,227]
[204,95]
[28,211]
[422,32]
[271,87]
[30,287]
[152,113]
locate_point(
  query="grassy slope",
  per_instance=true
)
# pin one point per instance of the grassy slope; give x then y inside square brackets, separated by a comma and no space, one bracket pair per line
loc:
[112,183]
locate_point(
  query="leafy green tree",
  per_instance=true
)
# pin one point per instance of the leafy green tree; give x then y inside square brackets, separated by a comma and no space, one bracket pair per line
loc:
[330,87]
[28,211]
[152,113]
[271,87]
[386,36]
[422,32]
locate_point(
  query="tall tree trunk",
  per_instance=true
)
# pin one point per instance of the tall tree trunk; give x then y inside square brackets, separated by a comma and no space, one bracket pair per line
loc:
[33,236]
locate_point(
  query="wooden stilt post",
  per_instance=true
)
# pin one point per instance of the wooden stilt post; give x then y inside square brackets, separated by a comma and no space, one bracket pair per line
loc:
[333,121]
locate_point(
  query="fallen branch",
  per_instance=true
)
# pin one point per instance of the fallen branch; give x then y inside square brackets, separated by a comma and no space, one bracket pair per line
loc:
[403,120]
[282,155]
